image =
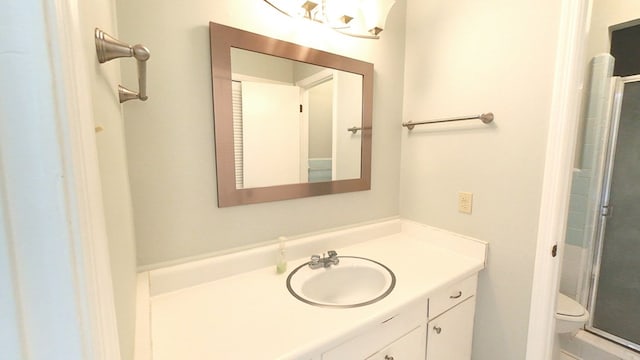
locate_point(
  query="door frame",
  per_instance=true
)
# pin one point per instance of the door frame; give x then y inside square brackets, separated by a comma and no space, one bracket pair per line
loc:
[56,276]
[561,140]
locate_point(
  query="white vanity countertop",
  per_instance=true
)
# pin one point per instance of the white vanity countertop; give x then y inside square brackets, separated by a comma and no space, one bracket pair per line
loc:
[252,315]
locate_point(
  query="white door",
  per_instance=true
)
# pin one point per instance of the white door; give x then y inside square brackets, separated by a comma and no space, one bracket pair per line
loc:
[271,134]
[347,147]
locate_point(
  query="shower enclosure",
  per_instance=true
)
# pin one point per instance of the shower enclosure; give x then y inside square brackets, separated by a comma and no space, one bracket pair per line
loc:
[614,300]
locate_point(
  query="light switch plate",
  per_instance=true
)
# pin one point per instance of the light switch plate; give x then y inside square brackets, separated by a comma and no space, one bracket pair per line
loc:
[465,202]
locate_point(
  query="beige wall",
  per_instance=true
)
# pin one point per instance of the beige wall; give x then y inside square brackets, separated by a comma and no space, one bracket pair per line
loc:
[170,137]
[113,168]
[468,57]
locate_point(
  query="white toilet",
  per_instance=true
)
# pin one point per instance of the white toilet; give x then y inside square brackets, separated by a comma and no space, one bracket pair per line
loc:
[570,315]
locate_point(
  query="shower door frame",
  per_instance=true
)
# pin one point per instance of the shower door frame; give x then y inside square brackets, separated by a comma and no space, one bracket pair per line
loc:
[604,209]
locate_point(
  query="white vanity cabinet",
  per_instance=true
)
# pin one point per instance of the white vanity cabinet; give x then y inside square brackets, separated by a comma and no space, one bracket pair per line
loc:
[450,326]
[402,333]
[435,286]
[441,331]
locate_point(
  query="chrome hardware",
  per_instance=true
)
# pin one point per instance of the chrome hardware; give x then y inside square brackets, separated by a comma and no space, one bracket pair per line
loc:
[324,262]
[315,260]
[354,130]
[389,319]
[109,48]
[486,118]
[457,296]
[437,329]
[387,357]
[607,210]
[333,258]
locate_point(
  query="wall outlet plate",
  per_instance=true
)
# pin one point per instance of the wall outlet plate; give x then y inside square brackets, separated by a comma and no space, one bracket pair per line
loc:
[465,202]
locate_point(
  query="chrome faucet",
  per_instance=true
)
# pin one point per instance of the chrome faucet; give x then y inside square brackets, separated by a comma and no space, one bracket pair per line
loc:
[324,262]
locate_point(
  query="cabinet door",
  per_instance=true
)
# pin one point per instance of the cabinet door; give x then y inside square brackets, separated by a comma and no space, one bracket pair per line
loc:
[409,347]
[449,336]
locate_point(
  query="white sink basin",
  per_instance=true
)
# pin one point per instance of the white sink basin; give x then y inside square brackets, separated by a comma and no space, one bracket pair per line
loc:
[353,282]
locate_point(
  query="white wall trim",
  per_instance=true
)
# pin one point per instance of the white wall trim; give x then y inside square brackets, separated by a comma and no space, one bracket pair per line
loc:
[51,195]
[562,133]
[85,191]
[143,349]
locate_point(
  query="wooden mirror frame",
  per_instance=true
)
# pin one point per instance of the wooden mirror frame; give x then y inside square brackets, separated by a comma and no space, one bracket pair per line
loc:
[223,38]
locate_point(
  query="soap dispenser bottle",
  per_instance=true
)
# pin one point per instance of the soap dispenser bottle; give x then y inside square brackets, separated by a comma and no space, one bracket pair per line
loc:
[281,264]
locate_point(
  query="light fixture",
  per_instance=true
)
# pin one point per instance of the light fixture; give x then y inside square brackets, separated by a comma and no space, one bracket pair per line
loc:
[359,18]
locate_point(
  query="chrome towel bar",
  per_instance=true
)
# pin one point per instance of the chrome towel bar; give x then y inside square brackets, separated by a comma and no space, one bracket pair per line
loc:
[109,48]
[485,118]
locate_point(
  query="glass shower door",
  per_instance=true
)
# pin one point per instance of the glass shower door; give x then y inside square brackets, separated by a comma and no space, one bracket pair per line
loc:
[615,297]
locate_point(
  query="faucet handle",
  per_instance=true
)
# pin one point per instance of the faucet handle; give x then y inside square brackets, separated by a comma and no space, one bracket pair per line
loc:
[315,262]
[333,257]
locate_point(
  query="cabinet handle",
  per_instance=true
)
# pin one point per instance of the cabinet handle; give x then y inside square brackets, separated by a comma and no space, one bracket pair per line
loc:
[437,329]
[387,357]
[457,296]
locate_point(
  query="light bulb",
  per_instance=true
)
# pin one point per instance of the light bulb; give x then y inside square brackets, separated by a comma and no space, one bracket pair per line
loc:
[375,14]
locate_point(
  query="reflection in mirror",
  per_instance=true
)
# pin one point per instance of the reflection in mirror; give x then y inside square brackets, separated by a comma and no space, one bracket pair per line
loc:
[294,117]
[284,119]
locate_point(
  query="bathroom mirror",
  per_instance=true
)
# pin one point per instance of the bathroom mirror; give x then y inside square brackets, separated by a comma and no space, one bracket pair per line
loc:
[290,121]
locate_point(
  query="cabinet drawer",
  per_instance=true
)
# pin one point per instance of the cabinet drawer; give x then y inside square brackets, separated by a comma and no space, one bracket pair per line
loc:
[449,297]
[411,346]
[381,334]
